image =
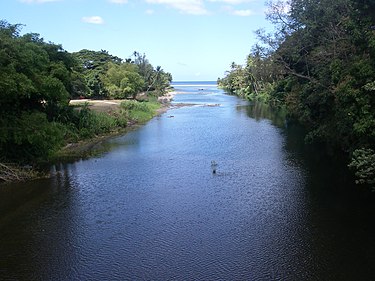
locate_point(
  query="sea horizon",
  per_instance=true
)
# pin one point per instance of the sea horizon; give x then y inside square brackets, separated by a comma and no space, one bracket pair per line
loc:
[193,83]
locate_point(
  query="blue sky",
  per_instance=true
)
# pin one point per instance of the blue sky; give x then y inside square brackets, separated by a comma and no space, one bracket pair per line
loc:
[194,40]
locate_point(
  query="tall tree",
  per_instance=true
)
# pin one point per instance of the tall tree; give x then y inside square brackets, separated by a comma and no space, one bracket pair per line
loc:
[320,63]
[35,79]
[123,80]
[94,65]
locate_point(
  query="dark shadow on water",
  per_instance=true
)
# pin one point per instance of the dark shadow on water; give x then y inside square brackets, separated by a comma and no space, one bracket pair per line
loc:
[339,215]
[260,111]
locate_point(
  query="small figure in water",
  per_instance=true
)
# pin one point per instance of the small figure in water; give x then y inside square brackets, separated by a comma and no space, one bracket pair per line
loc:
[213,166]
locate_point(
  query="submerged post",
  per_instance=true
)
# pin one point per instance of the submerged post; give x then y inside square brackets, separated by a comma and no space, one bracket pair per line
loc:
[213,166]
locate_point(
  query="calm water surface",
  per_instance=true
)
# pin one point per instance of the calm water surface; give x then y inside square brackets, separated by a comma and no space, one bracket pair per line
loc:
[150,209]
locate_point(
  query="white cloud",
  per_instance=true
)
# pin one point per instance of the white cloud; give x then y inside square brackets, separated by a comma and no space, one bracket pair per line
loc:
[193,7]
[243,13]
[240,13]
[149,12]
[93,20]
[197,7]
[37,1]
[118,1]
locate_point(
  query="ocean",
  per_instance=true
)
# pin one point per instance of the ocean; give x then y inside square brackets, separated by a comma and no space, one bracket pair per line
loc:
[194,86]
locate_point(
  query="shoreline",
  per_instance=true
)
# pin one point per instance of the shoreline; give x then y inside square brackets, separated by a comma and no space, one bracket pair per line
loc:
[93,146]
[165,102]
[85,149]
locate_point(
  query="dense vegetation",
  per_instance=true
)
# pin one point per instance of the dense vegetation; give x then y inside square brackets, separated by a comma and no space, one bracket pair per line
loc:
[38,79]
[107,76]
[320,65]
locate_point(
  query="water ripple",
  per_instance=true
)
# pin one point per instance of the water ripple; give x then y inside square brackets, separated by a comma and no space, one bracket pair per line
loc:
[151,209]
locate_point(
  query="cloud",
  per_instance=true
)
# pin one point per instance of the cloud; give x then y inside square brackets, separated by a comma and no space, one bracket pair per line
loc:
[93,20]
[37,1]
[193,7]
[118,1]
[149,12]
[242,13]
[198,7]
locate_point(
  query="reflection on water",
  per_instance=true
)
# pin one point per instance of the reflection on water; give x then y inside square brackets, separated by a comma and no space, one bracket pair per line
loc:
[261,111]
[150,208]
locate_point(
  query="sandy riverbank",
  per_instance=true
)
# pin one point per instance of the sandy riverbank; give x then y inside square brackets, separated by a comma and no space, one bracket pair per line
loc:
[109,106]
[86,147]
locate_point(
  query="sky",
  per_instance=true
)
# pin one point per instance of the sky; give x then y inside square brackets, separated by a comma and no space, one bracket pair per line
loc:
[194,40]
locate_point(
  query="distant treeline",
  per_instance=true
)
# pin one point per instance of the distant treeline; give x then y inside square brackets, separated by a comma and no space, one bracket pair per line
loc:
[320,65]
[37,81]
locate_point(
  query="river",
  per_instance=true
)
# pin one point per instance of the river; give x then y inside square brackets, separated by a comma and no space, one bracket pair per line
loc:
[148,207]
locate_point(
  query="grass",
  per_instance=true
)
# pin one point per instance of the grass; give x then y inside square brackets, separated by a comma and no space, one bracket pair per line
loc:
[139,112]
[92,127]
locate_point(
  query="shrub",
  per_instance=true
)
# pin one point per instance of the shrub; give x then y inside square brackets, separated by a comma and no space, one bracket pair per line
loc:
[363,163]
[30,137]
[92,123]
[139,111]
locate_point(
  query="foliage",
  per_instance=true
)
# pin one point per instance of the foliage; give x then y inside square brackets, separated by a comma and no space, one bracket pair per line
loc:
[155,79]
[90,123]
[34,75]
[108,76]
[319,63]
[363,163]
[254,81]
[94,66]
[37,80]
[139,111]
[29,137]
[123,80]
[235,81]
[34,79]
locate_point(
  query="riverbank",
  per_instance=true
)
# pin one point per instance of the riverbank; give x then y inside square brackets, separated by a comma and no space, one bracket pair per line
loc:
[92,146]
[84,148]
[110,106]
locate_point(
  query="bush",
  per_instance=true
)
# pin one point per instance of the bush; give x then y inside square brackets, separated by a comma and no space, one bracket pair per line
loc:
[92,123]
[363,163]
[139,111]
[29,137]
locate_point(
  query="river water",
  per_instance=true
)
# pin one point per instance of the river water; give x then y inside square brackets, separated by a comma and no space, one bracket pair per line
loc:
[148,207]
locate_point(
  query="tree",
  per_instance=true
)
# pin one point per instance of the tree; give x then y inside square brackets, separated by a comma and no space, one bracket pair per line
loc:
[145,68]
[160,80]
[320,64]
[123,80]
[93,66]
[34,75]
[155,79]
[35,79]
